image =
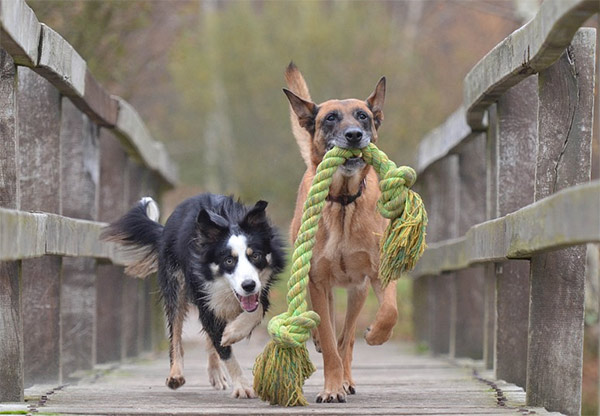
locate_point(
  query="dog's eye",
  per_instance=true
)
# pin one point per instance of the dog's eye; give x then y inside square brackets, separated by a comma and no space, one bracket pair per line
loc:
[362,116]
[229,261]
[256,256]
[331,117]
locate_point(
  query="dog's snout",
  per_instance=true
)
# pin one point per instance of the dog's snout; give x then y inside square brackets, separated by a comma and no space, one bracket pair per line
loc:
[353,135]
[248,285]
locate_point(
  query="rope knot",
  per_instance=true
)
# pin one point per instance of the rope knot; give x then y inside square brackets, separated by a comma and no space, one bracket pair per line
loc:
[293,330]
[394,187]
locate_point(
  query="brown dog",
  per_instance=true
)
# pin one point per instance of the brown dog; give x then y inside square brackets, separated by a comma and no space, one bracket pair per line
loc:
[346,252]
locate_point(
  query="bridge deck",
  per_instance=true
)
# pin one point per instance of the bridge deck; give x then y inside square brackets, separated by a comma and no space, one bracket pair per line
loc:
[391,380]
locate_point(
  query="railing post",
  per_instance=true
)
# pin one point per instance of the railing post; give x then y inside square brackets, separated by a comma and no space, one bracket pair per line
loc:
[516,150]
[557,278]
[110,281]
[39,180]
[79,183]
[11,325]
[441,198]
[467,340]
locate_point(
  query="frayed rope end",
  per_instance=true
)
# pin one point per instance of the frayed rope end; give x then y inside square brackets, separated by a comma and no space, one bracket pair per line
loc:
[280,372]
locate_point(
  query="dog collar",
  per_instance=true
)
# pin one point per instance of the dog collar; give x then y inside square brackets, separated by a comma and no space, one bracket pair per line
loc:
[348,199]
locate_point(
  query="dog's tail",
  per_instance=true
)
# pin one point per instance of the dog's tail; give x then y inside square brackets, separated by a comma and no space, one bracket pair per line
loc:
[139,232]
[296,83]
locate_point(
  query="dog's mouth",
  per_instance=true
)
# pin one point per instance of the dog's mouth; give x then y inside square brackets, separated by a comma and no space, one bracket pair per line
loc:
[248,303]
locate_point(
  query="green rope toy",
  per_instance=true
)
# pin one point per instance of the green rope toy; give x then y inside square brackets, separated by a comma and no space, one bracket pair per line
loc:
[284,365]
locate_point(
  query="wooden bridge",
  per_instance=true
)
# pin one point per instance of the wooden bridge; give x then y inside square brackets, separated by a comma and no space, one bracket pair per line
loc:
[506,180]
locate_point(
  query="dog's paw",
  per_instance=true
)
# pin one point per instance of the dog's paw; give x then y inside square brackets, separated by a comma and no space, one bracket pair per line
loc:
[232,334]
[327,396]
[349,387]
[218,377]
[175,382]
[377,335]
[242,389]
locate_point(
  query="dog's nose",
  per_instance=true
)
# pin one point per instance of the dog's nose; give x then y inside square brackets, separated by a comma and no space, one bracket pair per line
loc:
[353,135]
[248,285]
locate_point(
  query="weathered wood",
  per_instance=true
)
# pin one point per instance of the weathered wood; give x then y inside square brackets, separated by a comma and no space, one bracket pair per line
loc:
[467,328]
[19,31]
[390,381]
[8,132]
[557,279]
[137,141]
[11,328]
[39,176]
[39,148]
[41,322]
[442,140]
[80,179]
[77,311]
[81,165]
[109,285]
[530,49]
[542,226]
[516,148]
[61,64]
[98,104]
[440,184]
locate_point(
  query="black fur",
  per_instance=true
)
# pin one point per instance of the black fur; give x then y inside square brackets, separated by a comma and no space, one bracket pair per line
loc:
[194,237]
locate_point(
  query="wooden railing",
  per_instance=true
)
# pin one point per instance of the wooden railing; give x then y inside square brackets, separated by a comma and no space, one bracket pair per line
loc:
[506,180]
[72,157]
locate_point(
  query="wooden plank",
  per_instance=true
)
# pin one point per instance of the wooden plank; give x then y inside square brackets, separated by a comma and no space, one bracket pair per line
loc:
[443,139]
[137,141]
[542,226]
[9,189]
[19,31]
[528,50]
[469,283]
[81,165]
[11,324]
[77,312]
[80,180]
[109,285]
[42,320]
[440,184]
[39,112]
[516,149]
[555,357]
[61,64]
[99,105]
[11,328]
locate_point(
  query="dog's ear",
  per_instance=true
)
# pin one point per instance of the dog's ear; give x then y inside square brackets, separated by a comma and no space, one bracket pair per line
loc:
[211,225]
[305,110]
[256,217]
[375,102]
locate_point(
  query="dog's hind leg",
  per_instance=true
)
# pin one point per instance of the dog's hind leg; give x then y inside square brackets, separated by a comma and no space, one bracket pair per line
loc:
[381,329]
[356,300]
[175,302]
[217,375]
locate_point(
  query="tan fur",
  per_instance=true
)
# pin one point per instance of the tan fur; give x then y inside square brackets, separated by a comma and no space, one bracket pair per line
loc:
[140,262]
[346,252]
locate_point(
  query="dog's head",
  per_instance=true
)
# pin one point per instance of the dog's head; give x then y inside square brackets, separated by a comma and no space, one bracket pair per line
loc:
[349,123]
[245,252]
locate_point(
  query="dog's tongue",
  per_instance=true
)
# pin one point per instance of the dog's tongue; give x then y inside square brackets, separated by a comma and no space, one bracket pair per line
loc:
[249,303]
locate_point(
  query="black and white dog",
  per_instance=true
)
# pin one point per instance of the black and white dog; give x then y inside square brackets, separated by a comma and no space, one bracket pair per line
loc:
[215,253]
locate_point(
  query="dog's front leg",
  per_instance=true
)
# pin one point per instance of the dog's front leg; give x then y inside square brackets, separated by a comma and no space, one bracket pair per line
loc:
[242,326]
[333,389]
[387,314]
[217,375]
[242,388]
